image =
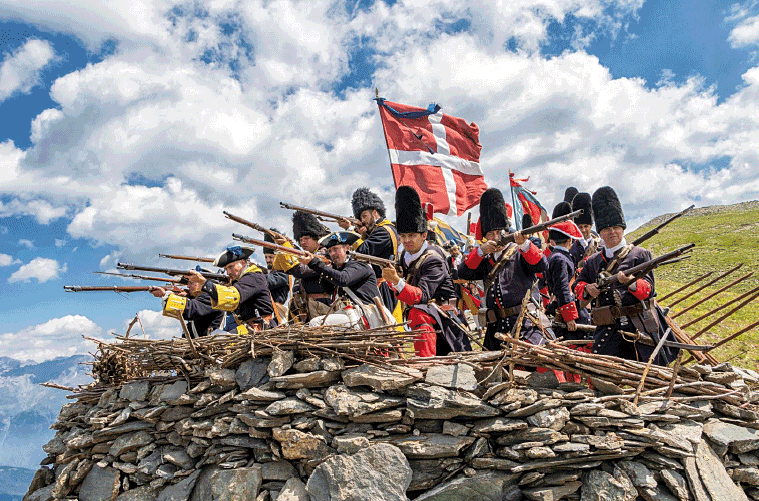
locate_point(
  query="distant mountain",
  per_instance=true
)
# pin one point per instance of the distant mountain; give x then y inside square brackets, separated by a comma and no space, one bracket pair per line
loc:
[27,410]
[14,482]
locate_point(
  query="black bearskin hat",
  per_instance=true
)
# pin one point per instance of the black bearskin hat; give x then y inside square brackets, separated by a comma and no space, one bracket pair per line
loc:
[307,224]
[364,199]
[526,220]
[409,215]
[268,238]
[493,215]
[607,210]
[582,201]
[561,209]
[569,194]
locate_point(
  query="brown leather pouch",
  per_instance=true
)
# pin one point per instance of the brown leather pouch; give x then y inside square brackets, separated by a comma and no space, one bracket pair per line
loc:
[602,316]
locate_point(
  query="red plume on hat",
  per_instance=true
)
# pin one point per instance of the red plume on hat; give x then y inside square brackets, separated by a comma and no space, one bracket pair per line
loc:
[568,228]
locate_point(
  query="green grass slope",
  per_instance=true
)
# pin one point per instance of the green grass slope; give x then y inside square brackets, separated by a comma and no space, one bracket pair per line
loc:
[724,236]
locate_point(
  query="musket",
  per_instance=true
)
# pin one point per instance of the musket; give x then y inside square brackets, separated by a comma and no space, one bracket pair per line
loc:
[269,245]
[579,327]
[373,260]
[507,238]
[188,258]
[327,215]
[273,234]
[654,231]
[177,281]
[606,281]
[171,271]
[111,288]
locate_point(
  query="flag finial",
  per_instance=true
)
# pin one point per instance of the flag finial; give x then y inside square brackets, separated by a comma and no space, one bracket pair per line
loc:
[376,92]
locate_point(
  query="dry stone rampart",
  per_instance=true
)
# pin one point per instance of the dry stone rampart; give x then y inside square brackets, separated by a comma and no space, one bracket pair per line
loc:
[295,428]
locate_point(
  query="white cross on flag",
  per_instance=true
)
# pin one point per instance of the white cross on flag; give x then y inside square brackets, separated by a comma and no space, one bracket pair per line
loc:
[436,154]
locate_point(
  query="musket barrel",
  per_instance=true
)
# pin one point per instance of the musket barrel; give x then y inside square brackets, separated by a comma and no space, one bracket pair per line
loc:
[315,212]
[110,288]
[509,238]
[268,245]
[188,258]
[170,271]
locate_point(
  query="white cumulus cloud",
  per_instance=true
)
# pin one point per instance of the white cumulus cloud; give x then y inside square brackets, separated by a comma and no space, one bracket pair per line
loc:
[40,268]
[58,337]
[6,260]
[745,33]
[19,70]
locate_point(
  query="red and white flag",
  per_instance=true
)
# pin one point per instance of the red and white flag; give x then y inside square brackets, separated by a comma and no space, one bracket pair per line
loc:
[436,154]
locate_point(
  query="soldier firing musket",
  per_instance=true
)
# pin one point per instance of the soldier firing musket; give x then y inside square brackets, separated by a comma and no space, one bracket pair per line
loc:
[506,238]
[269,245]
[631,274]
[373,260]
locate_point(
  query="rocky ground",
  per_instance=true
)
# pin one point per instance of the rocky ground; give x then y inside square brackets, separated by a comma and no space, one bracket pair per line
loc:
[279,428]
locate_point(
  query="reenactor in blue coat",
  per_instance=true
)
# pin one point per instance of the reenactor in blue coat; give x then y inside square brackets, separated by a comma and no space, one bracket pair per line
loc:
[512,271]
[626,310]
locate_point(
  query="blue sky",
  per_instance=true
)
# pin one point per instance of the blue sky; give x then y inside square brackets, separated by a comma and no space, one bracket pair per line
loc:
[125,135]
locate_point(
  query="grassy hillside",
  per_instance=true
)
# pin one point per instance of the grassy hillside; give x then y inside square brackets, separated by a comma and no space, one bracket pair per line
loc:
[724,236]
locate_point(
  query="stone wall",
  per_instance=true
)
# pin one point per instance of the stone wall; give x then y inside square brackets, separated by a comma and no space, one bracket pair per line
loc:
[293,430]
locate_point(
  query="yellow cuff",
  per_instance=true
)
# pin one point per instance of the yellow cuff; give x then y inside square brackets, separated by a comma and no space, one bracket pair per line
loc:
[284,262]
[174,306]
[242,330]
[228,298]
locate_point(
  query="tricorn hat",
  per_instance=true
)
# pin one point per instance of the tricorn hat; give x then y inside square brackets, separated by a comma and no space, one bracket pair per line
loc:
[607,210]
[268,238]
[409,215]
[582,201]
[231,254]
[364,199]
[307,224]
[493,215]
[339,237]
[561,209]
[569,194]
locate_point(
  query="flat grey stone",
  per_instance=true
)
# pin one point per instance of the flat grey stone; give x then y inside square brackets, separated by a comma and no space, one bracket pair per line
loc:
[129,442]
[435,402]
[287,406]
[686,428]
[293,490]
[545,436]
[599,485]
[176,413]
[135,391]
[252,373]
[714,476]
[281,361]
[737,439]
[41,494]
[350,444]
[540,405]
[236,484]
[169,393]
[483,486]
[100,484]
[380,378]
[142,493]
[378,473]
[554,419]
[455,377]
[746,475]
[277,471]
[498,425]
[259,395]
[223,378]
[316,379]
[552,493]
[180,458]
[655,494]
[350,402]
[181,490]
[299,445]
[430,445]
[676,483]
[638,474]
[567,447]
